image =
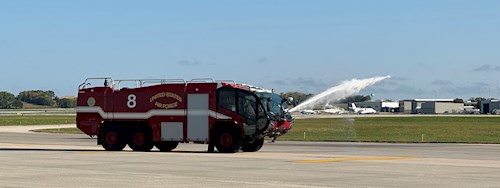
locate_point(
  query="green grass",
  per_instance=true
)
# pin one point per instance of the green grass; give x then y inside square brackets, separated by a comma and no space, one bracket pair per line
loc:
[398,129]
[61,131]
[35,120]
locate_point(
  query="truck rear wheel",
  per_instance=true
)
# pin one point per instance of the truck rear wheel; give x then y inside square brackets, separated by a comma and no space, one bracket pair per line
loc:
[166,146]
[112,138]
[140,138]
[228,140]
[254,146]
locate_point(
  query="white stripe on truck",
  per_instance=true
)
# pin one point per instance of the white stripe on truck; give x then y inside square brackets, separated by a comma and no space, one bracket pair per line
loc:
[148,114]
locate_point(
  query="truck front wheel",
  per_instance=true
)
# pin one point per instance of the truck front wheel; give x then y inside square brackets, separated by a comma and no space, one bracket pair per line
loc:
[112,138]
[228,140]
[254,146]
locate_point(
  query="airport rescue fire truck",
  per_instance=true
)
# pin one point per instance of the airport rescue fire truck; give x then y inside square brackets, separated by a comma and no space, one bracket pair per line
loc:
[166,112]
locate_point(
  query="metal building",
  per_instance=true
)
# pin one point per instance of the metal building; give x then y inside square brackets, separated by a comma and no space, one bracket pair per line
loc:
[490,106]
[408,106]
[442,107]
[430,106]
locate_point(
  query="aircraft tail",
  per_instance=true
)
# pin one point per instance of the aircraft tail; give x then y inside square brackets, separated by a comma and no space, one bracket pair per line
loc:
[353,106]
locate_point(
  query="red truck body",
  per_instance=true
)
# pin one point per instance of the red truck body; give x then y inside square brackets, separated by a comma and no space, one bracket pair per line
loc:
[167,112]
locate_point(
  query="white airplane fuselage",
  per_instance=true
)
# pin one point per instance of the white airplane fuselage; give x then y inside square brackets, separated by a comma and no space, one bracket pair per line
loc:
[363,110]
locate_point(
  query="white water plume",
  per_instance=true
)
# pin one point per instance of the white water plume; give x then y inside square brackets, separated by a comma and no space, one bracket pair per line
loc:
[345,89]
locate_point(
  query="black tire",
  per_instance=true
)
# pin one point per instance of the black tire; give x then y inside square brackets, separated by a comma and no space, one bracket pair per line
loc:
[254,146]
[228,140]
[166,146]
[140,138]
[113,138]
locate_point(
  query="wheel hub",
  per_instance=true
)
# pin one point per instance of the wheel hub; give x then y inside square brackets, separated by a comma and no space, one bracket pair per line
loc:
[111,138]
[226,140]
[139,139]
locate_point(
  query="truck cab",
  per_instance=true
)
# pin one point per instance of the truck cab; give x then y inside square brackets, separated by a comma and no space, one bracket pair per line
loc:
[264,113]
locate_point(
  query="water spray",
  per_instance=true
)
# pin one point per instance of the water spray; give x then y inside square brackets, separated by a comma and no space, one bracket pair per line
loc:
[345,89]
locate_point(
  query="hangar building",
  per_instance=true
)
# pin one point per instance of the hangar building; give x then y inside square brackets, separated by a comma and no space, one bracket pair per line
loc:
[430,106]
[490,106]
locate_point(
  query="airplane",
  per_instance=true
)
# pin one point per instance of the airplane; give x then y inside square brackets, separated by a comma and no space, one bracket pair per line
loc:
[334,110]
[363,110]
[307,112]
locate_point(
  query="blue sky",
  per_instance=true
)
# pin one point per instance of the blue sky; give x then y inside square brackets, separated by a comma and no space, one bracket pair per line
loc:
[432,49]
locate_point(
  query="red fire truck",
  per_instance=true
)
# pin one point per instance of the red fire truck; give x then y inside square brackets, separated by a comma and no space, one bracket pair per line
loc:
[165,112]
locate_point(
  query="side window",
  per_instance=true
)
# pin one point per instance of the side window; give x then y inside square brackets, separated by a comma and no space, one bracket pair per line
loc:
[247,107]
[227,99]
[242,102]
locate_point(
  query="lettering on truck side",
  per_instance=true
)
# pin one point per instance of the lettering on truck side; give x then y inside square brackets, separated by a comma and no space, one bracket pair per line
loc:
[166,95]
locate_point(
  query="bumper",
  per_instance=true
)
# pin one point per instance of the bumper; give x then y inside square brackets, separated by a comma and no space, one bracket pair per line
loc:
[280,128]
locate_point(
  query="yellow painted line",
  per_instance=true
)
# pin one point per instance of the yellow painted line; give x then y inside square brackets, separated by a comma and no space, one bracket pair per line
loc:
[354,159]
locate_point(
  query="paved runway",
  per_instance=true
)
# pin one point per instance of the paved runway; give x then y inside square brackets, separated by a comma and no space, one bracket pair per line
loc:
[51,160]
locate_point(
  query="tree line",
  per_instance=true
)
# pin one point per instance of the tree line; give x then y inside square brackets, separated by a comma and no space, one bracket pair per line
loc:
[37,97]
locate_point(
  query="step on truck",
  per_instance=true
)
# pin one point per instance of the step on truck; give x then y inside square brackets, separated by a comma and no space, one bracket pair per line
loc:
[162,113]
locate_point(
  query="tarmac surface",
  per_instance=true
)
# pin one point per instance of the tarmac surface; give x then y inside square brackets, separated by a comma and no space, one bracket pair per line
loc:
[54,160]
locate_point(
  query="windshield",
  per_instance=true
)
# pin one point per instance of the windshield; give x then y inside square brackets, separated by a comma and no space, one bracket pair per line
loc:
[275,102]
